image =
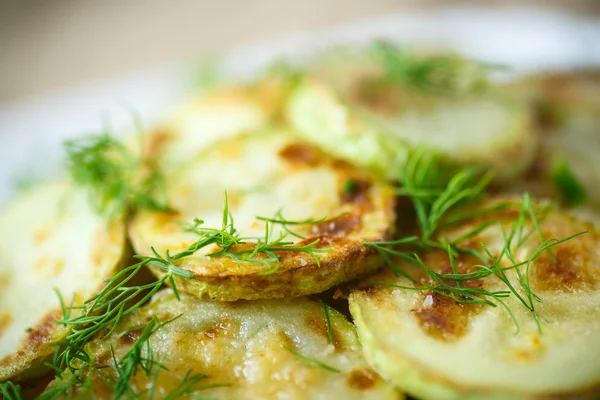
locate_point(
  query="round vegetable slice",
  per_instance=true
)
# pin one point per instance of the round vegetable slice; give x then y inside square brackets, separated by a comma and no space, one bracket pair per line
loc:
[318,209]
[208,118]
[439,347]
[566,167]
[252,350]
[51,240]
[374,110]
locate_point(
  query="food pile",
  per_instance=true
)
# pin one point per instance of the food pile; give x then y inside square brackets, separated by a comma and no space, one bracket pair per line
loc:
[373,223]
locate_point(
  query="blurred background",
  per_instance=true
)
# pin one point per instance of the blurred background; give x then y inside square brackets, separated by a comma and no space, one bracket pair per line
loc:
[53,45]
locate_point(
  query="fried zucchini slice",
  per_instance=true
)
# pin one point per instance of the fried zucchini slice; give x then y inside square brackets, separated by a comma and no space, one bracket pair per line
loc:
[51,240]
[568,113]
[263,174]
[437,348]
[249,350]
[201,121]
[359,110]
[207,118]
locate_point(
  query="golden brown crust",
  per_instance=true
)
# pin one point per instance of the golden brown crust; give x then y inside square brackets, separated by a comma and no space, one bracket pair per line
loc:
[361,211]
[301,154]
[26,361]
[318,324]
[429,376]
[362,379]
[292,279]
[43,250]
[566,110]
[243,348]
[443,317]
[425,330]
[5,319]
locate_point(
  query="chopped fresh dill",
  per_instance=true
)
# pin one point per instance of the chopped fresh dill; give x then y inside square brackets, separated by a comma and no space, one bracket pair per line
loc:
[279,219]
[140,357]
[439,206]
[452,284]
[437,74]
[135,359]
[434,194]
[350,187]
[119,180]
[571,191]
[65,310]
[312,361]
[263,251]
[327,321]
[100,314]
[10,391]
[63,387]
[189,385]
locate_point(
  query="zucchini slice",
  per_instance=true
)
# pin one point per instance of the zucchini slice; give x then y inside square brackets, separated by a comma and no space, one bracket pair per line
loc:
[435,347]
[374,114]
[566,165]
[249,350]
[52,240]
[221,114]
[270,174]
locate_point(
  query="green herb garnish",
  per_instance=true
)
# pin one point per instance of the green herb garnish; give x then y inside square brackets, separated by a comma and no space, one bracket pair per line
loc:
[119,180]
[327,321]
[265,249]
[571,191]
[437,74]
[350,187]
[101,313]
[10,391]
[189,385]
[139,358]
[136,358]
[440,206]
[279,219]
[312,361]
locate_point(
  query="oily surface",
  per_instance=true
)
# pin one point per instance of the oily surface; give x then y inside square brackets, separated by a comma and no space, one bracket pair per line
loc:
[264,174]
[416,338]
[244,350]
[51,240]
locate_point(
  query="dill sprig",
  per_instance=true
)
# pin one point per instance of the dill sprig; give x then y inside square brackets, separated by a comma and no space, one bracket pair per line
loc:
[439,206]
[136,359]
[433,194]
[312,361]
[279,219]
[327,321]
[101,314]
[140,357]
[264,249]
[189,385]
[570,189]
[119,179]
[10,391]
[452,285]
[437,74]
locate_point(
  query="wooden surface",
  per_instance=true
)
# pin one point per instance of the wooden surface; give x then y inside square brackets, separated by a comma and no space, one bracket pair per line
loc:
[49,45]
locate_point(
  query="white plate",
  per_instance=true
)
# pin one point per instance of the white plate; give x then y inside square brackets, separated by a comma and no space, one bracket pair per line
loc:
[527,39]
